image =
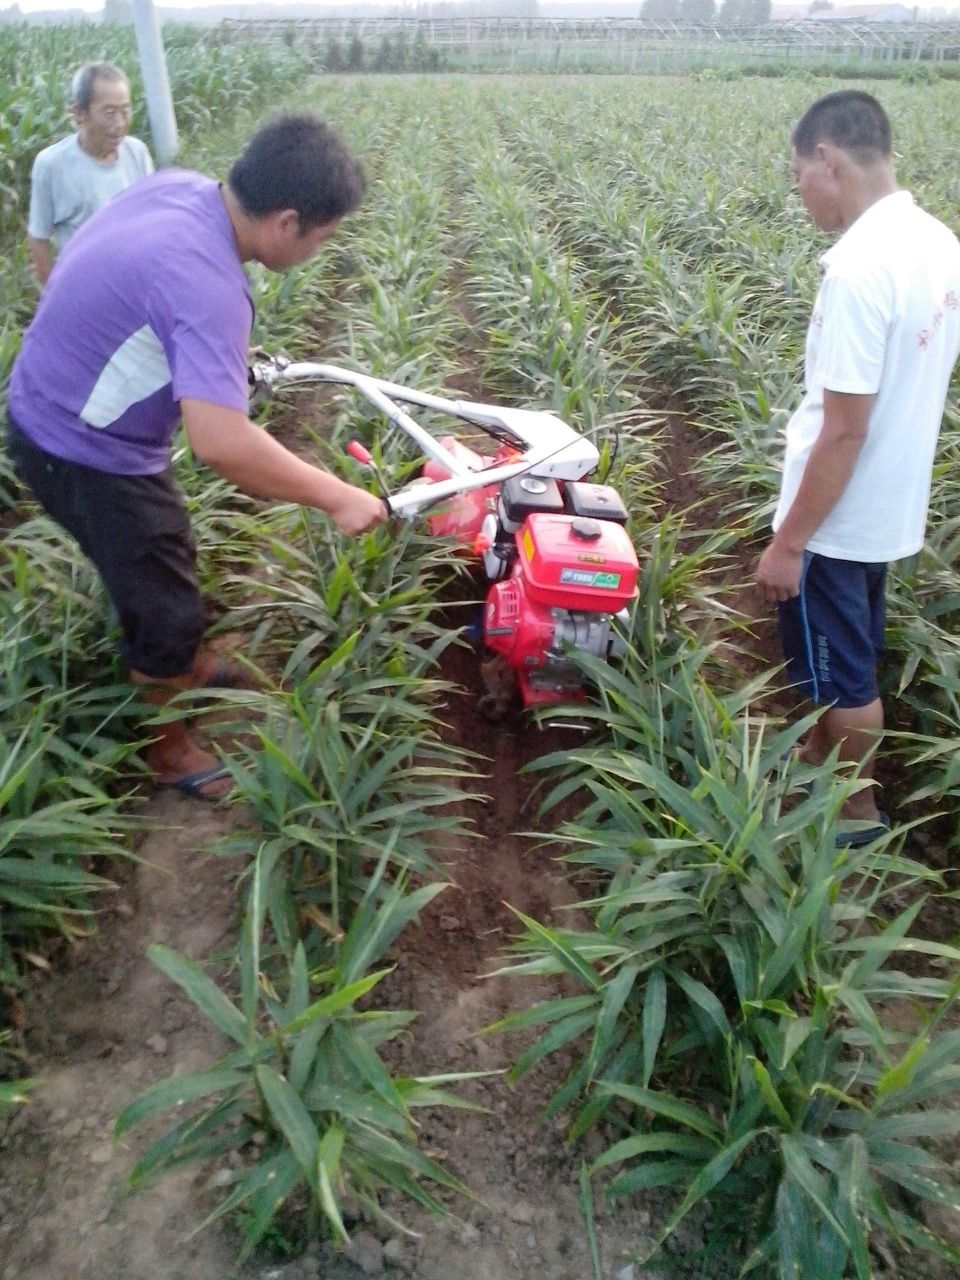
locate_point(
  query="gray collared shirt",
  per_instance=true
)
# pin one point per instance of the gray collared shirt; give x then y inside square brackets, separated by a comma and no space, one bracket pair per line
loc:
[68,185]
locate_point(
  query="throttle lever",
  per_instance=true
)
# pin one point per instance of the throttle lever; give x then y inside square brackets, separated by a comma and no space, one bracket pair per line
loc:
[360,453]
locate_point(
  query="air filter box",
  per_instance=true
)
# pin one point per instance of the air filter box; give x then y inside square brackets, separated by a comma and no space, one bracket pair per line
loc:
[522,495]
[596,501]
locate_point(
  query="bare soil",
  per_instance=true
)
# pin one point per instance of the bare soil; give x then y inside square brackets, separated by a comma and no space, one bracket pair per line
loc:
[102,1029]
[107,1024]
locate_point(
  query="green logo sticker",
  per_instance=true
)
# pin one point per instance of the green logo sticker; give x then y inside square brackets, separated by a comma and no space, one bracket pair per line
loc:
[584,578]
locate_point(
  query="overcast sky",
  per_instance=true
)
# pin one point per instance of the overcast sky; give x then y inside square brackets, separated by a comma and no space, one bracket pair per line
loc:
[93,6]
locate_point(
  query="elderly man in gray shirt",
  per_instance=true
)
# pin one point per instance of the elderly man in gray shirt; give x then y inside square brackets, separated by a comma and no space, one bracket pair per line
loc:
[74,177]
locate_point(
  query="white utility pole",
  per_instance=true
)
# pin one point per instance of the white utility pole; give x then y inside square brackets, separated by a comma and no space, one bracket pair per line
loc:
[156,82]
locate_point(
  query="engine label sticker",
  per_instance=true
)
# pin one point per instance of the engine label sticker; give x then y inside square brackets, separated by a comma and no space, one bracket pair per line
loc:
[584,578]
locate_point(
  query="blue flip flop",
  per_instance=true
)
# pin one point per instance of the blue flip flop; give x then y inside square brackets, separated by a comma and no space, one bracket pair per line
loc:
[857,836]
[192,784]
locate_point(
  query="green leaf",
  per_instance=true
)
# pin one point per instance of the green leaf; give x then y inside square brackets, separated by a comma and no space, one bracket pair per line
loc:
[292,1119]
[704,998]
[177,1092]
[586,1208]
[328,1173]
[14,1092]
[269,1185]
[666,1105]
[917,1234]
[654,1020]
[563,952]
[794,1037]
[203,991]
[770,1095]
[788,952]
[643,1143]
[799,1168]
[901,1073]
[545,1011]
[736,956]
[556,1037]
[389,1150]
[364,1062]
[614,997]
[653,1173]
[916,1124]
[853,1186]
[193,1135]
[365,1108]
[709,1177]
[334,1002]
[27,871]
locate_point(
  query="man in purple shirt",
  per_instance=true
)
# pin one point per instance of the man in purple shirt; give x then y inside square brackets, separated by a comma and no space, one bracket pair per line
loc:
[146,321]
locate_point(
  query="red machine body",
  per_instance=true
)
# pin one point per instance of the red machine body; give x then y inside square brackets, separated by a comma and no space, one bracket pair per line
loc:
[463,514]
[561,565]
[575,562]
[571,577]
[553,545]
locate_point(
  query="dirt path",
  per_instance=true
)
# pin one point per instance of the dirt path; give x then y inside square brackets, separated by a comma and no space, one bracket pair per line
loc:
[102,1029]
[526,1220]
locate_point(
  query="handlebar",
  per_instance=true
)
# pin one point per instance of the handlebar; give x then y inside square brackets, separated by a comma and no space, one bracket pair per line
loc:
[547,445]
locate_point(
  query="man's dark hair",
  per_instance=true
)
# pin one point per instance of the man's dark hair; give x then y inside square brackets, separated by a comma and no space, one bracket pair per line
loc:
[849,119]
[297,162]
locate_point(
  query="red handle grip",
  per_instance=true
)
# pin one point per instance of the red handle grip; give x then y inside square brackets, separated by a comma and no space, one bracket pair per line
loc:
[357,450]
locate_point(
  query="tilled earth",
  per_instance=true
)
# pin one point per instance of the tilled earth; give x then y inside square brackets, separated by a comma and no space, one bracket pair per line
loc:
[107,1024]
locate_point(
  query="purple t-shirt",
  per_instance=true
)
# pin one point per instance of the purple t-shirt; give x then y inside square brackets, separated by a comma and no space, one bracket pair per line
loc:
[147,304]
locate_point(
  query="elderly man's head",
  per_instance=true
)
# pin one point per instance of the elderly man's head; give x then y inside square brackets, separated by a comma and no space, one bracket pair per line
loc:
[100,97]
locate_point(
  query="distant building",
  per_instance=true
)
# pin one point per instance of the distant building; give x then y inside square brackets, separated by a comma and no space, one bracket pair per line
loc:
[867,13]
[844,13]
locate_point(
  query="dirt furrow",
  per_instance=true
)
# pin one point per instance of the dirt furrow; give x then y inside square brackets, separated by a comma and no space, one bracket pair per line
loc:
[102,1029]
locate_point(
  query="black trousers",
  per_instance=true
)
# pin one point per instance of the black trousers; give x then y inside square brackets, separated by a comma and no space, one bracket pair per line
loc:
[136,531]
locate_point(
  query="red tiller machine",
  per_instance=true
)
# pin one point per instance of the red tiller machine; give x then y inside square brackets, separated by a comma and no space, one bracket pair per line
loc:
[553,547]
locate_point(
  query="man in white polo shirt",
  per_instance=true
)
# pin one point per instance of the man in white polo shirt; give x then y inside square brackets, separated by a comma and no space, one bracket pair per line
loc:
[883,339]
[77,175]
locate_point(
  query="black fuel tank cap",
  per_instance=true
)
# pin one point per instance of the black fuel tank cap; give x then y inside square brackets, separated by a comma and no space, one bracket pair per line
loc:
[589,530]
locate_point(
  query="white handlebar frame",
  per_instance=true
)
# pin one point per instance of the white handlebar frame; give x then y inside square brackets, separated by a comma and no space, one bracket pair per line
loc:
[548,446]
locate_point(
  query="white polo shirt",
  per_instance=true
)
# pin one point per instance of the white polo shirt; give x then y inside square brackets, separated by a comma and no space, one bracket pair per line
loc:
[886,322]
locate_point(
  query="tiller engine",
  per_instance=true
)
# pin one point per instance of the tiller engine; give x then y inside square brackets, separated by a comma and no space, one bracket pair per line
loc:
[554,547]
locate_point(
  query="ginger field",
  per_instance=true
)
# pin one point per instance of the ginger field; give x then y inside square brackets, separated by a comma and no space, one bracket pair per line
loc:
[592,995]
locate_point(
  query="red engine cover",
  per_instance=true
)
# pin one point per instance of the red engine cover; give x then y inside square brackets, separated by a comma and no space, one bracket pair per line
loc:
[516,627]
[567,565]
[571,562]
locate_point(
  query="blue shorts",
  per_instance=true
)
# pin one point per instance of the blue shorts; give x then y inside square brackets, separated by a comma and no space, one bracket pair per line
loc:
[832,632]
